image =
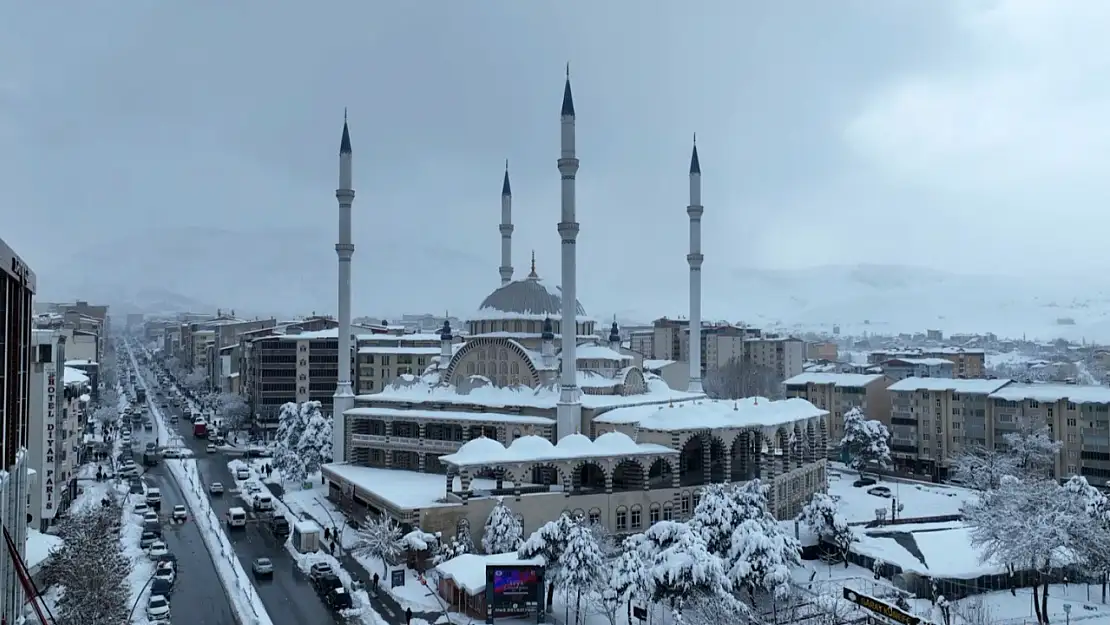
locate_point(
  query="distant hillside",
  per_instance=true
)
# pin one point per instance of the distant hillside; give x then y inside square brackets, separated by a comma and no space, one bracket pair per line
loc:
[289,271]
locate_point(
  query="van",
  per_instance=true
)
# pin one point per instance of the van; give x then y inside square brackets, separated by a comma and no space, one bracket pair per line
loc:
[264,503]
[236,517]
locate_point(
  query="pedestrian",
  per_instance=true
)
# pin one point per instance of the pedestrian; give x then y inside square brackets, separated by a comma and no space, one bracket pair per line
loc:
[408,616]
[375,583]
[327,534]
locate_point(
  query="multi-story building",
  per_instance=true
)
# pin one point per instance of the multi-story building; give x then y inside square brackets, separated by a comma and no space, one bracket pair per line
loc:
[723,343]
[934,419]
[902,368]
[840,392]
[642,342]
[17,290]
[294,366]
[826,350]
[382,358]
[968,363]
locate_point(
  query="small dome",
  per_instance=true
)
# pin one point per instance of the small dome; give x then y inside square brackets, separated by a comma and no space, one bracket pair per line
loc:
[576,444]
[480,447]
[528,297]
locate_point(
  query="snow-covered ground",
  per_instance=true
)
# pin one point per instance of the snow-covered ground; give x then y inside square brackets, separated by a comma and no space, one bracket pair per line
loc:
[919,499]
[360,599]
[244,597]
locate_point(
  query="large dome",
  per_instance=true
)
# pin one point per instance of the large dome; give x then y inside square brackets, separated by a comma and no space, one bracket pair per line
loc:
[528,297]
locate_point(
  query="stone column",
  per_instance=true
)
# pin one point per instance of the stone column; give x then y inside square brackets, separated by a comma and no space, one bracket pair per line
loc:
[499,478]
[823,438]
[798,448]
[706,458]
[464,479]
[450,481]
[420,461]
[727,461]
[609,480]
[782,450]
[517,479]
[769,465]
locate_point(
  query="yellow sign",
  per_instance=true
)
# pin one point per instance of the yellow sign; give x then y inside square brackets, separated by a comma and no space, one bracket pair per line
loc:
[880,608]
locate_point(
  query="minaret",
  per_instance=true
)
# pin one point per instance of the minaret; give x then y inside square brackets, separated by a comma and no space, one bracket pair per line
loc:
[568,416]
[446,347]
[694,258]
[344,398]
[506,230]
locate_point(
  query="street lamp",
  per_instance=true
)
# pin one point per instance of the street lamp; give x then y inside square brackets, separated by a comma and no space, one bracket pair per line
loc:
[1067,613]
[140,596]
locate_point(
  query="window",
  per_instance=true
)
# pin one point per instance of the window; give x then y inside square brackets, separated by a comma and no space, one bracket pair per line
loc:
[685,504]
[653,514]
[637,514]
[516,433]
[668,512]
[697,498]
[595,515]
[622,519]
[1071,423]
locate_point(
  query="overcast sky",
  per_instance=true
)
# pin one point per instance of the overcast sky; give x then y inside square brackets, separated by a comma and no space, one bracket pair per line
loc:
[965,136]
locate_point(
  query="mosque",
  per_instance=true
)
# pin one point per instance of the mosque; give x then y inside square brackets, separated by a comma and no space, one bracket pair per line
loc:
[554,416]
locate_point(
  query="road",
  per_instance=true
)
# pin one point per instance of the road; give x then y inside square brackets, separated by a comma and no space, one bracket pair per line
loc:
[289,597]
[198,596]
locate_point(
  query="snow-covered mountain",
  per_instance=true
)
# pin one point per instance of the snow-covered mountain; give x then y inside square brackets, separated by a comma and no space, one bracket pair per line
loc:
[275,270]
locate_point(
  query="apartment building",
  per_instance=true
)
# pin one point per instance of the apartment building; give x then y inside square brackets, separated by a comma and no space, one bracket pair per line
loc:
[840,392]
[642,342]
[967,363]
[826,350]
[934,419]
[902,368]
[17,290]
[382,358]
[294,366]
[722,343]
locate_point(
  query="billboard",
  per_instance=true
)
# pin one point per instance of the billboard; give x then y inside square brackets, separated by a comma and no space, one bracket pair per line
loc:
[513,589]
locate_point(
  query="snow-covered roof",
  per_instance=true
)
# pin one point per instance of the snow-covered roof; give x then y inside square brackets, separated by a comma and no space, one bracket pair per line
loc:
[1078,394]
[924,362]
[948,384]
[441,415]
[302,336]
[84,398]
[488,452]
[405,490]
[83,362]
[599,352]
[653,364]
[468,571]
[418,390]
[307,526]
[75,376]
[530,298]
[392,339]
[842,380]
[712,413]
[39,546]
[393,349]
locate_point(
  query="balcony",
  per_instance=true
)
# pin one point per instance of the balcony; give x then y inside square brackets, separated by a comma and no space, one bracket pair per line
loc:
[406,443]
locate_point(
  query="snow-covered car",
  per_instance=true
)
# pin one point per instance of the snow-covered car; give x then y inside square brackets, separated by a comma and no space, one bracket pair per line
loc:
[157,549]
[252,487]
[262,567]
[172,452]
[179,513]
[210,448]
[150,516]
[158,607]
[242,474]
[216,488]
[880,491]
[147,539]
[166,573]
[319,569]
[141,508]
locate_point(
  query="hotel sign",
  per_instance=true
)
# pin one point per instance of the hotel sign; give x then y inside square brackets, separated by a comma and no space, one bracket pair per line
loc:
[48,446]
[885,610]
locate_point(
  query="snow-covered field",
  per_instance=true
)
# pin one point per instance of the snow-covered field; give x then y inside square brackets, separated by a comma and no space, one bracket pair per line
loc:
[244,597]
[918,499]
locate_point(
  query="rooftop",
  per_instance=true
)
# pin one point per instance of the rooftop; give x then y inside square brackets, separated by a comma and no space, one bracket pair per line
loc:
[75,376]
[488,452]
[712,414]
[852,380]
[393,349]
[956,385]
[468,571]
[924,362]
[1074,393]
[456,415]
[406,490]
[530,298]
[654,364]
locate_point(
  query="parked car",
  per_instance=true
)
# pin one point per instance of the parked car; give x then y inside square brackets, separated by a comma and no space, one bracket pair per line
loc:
[150,516]
[158,607]
[318,570]
[216,488]
[880,491]
[262,567]
[279,525]
[154,527]
[141,508]
[242,474]
[210,448]
[179,513]
[864,481]
[338,599]
[326,582]
[147,539]
[167,573]
[160,587]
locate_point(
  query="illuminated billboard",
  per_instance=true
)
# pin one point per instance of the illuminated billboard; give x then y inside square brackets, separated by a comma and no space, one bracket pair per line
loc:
[513,590]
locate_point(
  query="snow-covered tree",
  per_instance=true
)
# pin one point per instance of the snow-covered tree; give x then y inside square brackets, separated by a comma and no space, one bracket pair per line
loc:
[90,565]
[196,380]
[580,566]
[314,445]
[628,578]
[723,507]
[289,464]
[106,414]
[291,425]
[980,468]
[1032,448]
[762,557]
[379,538]
[865,440]
[548,542]
[1095,546]
[681,567]
[822,516]
[419,540]
[233,409]
[1032,524]
[503,533]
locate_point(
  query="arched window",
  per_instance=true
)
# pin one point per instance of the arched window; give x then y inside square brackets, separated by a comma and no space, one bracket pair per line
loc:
[636,516]
[595,515]
[504,354]
[653,513]
[504,367]
[685,504]
[622,519]
[697,498]
[481,368]
[517,326]
[516,433]
[668,512]
[514,368]
[579,513]
[470,368]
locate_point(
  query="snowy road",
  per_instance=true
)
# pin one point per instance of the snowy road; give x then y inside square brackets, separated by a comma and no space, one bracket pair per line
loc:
[288,597]
[198,596]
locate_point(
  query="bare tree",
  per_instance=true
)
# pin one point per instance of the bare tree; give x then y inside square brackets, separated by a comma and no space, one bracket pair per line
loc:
[740,378]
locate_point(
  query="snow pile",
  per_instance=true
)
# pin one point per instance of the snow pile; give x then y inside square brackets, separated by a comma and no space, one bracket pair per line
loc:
[242,593]
[359,598]
[141,567]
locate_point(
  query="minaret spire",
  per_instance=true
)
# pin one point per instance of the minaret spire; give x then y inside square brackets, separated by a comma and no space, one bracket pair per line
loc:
[506,268]
[694,259]
[569,408]
[344,398]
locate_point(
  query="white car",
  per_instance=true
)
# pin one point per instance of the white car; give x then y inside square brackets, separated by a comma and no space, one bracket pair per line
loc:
[242,474]
[158,607]
[141,508]
[179,513]
[216,488]
[252,487]
[166,573]
[150,516]
[210,448]
[157,549]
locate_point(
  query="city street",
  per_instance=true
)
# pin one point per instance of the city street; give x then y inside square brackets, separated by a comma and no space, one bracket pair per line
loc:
[289,597]
[198,596]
